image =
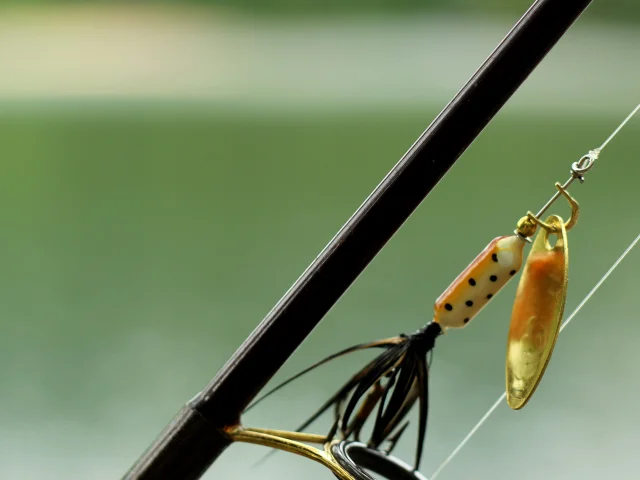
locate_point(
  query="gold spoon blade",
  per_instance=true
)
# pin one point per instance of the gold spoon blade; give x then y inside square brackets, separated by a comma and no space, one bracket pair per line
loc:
[537,312]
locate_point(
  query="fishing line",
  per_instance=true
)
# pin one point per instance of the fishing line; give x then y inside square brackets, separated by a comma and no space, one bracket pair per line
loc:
[573,314]
[619,128]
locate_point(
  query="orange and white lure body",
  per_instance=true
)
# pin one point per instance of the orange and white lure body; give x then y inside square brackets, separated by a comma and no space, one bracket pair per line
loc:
[485,276]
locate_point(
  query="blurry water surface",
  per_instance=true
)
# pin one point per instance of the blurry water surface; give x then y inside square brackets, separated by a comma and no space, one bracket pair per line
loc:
[141,244]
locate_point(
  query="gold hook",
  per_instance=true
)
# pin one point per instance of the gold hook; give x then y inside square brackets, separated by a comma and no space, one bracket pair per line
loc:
[569,224]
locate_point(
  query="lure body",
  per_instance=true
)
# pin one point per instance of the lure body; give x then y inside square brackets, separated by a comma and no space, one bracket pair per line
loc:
[479,282]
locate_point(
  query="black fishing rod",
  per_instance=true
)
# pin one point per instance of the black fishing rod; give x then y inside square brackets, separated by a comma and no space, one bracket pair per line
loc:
[196,436]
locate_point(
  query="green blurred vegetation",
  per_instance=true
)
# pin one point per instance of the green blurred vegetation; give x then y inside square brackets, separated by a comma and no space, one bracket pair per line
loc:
[618,10]
[612,9]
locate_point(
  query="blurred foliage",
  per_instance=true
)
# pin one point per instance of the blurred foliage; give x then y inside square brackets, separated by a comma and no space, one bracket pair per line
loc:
[613,9]
[617,10]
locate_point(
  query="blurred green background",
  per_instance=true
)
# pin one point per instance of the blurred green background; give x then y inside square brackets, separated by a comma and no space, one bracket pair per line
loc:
[170,170]
[620,10]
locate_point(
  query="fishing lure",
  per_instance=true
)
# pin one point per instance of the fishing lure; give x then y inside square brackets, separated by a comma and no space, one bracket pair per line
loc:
[397,378]
[538,308]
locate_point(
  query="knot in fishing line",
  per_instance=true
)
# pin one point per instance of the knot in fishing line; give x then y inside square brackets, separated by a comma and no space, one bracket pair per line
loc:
[582,166]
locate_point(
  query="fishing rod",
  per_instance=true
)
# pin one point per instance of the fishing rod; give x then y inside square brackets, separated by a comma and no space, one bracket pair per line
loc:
[199,433]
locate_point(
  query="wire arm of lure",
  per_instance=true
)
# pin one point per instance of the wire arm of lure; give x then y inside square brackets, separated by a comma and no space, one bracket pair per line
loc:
[527,225]
[575,211]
